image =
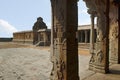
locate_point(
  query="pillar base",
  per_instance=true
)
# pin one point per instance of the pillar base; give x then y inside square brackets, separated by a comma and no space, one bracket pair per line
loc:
[98,68]
[114,61]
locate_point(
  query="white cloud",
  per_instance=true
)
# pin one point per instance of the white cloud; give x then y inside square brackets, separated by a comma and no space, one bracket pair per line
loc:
[6,28]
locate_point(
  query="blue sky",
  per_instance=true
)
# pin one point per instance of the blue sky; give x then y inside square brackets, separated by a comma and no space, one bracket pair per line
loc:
[18,15]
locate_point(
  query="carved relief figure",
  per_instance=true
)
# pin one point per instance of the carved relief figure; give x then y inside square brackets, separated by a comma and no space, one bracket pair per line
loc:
[114,32]
[99,56]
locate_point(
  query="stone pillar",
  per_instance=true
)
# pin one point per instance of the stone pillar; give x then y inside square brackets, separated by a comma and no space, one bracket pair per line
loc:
[114,32]
[82,36]
[99,61]
[119,33]
[44,38]
[65,46]
[86,36]
[79,36]
[52,33]
[92,34]
[38,36]
[95,35]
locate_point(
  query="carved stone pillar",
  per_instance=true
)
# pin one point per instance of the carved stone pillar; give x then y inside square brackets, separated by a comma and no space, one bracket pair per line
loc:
[119,33]
[115,31]
[100,57]
[65,46]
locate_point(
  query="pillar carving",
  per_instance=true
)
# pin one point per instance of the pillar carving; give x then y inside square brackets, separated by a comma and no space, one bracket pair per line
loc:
[65,47]
[114,31]
[99,61]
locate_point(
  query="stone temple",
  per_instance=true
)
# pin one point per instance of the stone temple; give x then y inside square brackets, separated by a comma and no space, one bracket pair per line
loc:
[39,35]
[104,39]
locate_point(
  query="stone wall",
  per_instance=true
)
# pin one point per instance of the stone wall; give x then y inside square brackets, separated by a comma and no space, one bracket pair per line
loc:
[23,37]
[43,35]
[27,36]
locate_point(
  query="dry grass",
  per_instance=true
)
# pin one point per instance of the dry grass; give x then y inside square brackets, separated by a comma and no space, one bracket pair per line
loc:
[20,45]
[84,52]
[11,45]
[6,45]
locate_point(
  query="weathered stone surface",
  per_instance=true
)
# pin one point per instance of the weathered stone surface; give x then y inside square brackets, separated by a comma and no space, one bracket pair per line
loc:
[23,37]
[99,59]
[114,31]
[65,47]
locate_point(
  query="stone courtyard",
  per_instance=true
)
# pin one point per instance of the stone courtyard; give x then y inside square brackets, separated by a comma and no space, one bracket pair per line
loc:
[27,62]
[24,63]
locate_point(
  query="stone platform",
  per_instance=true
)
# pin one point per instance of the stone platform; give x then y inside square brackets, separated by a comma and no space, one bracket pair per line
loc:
[114,74]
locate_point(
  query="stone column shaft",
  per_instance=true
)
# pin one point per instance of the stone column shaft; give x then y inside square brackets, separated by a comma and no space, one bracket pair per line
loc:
[99,61]
[119,34]
[65,45]
[92,34]
[81,36]
[86,36]
[38,36]
[44,37]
